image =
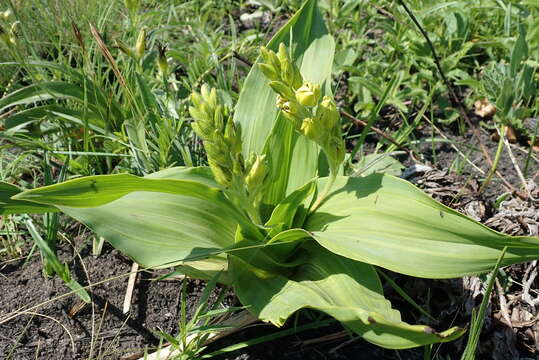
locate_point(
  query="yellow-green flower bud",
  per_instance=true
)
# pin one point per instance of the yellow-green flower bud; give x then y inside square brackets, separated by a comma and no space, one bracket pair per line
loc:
[291,107]
[132,5]
[328,113]
[124,48]
[5,37]
[257,173]
[274,61]
[140,46]
[282,54]
[280,101]
[265,53]
[335,151]
[308,94]
[219,119]
[5,14]
[268,71]
[209,95]
[196,99]
[162,62]
[282,89]
[221,175]
[287,72]
[313,129]
[233,137]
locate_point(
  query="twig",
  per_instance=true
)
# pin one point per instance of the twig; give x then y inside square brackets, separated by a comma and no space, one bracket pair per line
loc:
[478,169]
[453,96]
[517,168]
[110,59]
[242,59]
[130,287]
[528,280]
[503,303]
[379,132]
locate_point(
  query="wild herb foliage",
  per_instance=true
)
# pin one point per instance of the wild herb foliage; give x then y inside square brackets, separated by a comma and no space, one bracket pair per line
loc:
[277,232]
[272,213]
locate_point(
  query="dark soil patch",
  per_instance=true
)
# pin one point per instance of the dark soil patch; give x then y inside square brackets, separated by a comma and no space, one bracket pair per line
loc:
[99,330]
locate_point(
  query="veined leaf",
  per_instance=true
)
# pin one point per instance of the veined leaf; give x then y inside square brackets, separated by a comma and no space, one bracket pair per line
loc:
[92,97]
[386,221]
[256,112]
[22,118]
[99,190]
[347,290]
[293,205]
[161,230]
[10,206]
[166,219]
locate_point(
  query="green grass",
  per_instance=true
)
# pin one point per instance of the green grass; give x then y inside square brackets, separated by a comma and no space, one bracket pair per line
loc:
[102,114]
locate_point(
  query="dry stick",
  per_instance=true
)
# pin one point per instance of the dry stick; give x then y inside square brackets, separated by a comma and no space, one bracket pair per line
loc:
[130,287]
[453,96]
[478,169]
[379,132]
[522,150]
[241,58]
[108,55]
[517,168]
[503,303]
[12,315]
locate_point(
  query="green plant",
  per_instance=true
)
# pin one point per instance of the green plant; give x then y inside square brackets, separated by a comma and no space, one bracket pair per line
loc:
[284,227]
[205,322]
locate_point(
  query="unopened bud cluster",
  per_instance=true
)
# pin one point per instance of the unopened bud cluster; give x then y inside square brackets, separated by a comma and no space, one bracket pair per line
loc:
[139,50]
[301,103]
[222,141]
[9,37]
[218,133]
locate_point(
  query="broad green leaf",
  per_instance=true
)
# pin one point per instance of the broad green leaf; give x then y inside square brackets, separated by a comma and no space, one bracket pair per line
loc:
[52,261]
[378,163]
[347,290]
[201,174]
[91,97]
[291,235]
[22,118]
[257,114]
[285,212]
[161,230]
[388,222]
[519,51]
[166,219]
[93,191]
[10,206]
[99,190]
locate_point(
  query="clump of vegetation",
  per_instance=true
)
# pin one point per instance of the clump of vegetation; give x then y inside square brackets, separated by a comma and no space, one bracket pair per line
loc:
[245,179]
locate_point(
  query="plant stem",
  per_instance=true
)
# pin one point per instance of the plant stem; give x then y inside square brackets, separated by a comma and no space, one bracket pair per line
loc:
[253,213]
[496,160]
[325,191]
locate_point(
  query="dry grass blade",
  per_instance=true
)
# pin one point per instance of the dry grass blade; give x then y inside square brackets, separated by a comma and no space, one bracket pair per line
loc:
[56,321]
[108,55]
[377,131]
[130,288]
